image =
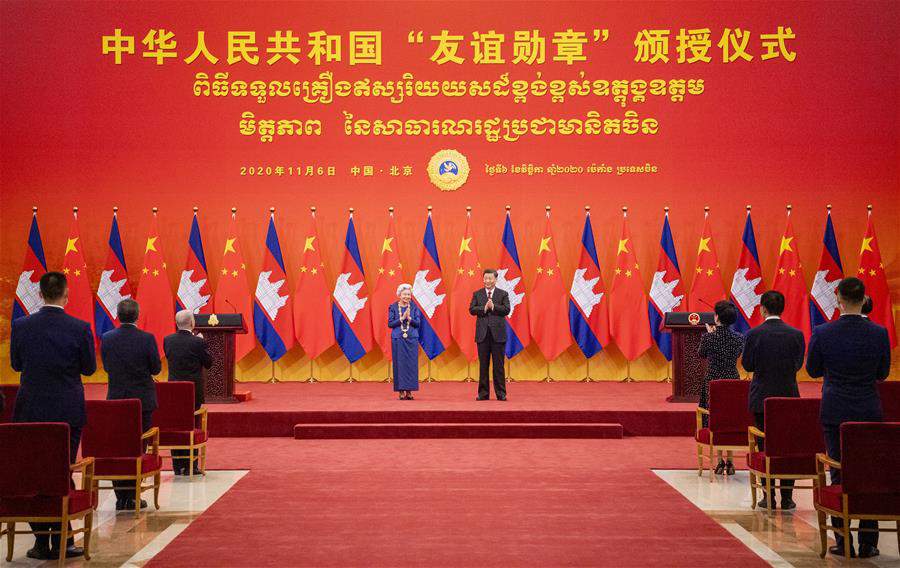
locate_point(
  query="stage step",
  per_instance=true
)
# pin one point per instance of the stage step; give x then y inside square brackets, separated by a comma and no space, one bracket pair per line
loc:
[458,430]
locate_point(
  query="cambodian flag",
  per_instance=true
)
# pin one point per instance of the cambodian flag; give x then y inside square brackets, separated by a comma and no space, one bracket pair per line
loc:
[272,317]
[28,290]
[194,291]
[509,278]
[114,286]
[822,301]
[666,292]
[747,285]
[350,309]
[588,306]
[430,296]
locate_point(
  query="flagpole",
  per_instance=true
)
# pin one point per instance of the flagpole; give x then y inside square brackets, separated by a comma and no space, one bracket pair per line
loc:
[548,378]
[587,372]
[668,377]
[628,378]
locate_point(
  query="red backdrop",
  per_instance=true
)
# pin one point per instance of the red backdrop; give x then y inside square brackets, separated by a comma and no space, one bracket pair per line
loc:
[79,130]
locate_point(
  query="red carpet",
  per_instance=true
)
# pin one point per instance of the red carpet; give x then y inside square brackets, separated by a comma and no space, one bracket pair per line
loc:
[453,503]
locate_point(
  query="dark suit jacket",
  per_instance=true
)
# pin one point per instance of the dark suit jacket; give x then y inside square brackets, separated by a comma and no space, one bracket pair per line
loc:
[773,352]
[131,358]
[493,320]
[188,356]
[853,354]
[52,350]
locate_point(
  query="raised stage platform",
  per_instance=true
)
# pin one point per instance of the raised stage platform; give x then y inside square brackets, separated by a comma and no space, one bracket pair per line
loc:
[449,410]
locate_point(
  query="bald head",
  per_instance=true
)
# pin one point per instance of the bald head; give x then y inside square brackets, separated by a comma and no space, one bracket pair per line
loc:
[185,320]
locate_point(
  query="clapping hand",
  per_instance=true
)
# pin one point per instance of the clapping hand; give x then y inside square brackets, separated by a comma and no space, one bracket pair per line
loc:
[710,328]
[489,305]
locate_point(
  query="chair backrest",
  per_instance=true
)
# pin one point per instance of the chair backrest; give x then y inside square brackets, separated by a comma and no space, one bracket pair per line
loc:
[9,395]
[113,429]
[889,392]
[728,408]
[34,459]
[793,428]
[175,406]
[870,457]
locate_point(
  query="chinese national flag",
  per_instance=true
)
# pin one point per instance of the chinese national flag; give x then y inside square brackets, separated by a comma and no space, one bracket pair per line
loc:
[154,294]
[233,292]
[706,288]
[313,326]
[871,272]
[390,276]
[549,310]
[790,282]
[81,299]
[468,278]
[629,323]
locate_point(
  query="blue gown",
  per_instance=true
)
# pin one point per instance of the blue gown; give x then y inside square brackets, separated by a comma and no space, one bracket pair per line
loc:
[405,350]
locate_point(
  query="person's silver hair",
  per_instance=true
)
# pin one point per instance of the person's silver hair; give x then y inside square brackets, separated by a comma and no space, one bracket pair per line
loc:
[184,319]
[403,287]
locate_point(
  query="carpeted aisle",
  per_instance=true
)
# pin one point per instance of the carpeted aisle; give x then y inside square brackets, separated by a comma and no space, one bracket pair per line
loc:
[454,503]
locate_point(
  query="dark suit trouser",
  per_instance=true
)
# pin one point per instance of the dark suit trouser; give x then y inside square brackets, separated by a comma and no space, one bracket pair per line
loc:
[125,489]
[833,447]
[491,352]
[184,462]
[43,540]
[786,485]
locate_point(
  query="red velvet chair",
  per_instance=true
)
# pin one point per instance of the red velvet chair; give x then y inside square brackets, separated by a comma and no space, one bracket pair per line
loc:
[793,437]
[35,486]
[870,480]
[729,419]
[889,392]
[180,427]
[9,397]
[113,437]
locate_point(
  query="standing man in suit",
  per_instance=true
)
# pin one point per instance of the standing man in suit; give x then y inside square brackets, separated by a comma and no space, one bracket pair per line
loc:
[773,352]
[853,354]
[131,358]
[490,306]
[188,355]
[51,350]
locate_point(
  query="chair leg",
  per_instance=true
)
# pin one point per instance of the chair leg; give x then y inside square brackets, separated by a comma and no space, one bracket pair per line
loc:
[699,460]
[752,491]
[156,490]
[823,533]
[63,537]
[191,463]
[848,544]
[10,540]
[711,467]
[769,495]
[88,529]
[203,459]
[137,496]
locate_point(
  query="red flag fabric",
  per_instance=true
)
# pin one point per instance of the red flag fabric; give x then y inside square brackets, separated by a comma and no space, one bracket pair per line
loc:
[549,310]
[629,323]
[706,287]
[313,326]
[790,282]
[81,299]
[154,293]
[390,276]
[233,291]
[871,272]
[468,279]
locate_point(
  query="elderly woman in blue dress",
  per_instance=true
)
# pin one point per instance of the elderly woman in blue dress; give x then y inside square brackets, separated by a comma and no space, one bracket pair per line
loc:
[403,319]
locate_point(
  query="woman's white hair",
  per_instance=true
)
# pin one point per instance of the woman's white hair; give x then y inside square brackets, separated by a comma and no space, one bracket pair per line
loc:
[403,287]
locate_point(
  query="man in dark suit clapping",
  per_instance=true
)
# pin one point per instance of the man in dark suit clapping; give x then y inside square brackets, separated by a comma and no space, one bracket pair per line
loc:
[188,355]
[853,354]
[773,352]
[51,350]
[490,305]
[131,358]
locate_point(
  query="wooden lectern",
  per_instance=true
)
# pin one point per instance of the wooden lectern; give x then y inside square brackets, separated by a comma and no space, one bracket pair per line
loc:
[219,331]
[688,368]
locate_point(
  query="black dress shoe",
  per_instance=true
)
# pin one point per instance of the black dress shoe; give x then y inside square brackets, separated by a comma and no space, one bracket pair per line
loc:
[129,505]
[121,504]
[501,398]
[40,553]
[868,551]
[763,505]
[72,551]
[720,467]
[838,550]
[788,504]
[729,468]
[481,398]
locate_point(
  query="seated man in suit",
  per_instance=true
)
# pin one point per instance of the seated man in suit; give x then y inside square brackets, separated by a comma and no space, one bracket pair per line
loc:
[51,350]
[773,352]
[131,358]
[853,354]
[188,356]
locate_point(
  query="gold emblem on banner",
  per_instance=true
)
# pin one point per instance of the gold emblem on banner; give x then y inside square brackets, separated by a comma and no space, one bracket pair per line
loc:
[213,320]
[448,170]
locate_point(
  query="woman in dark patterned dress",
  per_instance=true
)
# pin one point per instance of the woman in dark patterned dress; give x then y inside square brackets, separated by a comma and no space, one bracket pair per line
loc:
[720,346]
